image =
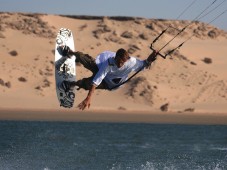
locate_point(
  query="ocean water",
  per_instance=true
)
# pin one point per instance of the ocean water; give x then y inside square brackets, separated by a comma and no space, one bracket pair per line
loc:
[112,146]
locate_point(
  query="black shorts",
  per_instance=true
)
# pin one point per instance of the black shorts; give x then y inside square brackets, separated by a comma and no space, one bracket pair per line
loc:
[89,63]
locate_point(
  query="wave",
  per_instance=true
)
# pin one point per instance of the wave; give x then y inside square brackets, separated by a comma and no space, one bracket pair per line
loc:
[219,148]
[170,166]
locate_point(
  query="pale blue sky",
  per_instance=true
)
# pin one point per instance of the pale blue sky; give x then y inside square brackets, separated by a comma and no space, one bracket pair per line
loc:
[164,9]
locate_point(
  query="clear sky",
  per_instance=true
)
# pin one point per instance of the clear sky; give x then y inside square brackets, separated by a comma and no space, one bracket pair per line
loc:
[164,9]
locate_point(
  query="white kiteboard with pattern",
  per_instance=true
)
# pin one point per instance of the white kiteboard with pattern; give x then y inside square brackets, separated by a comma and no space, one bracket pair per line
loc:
[65,67]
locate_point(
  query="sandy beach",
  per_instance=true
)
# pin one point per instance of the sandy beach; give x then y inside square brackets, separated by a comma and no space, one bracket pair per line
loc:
[190,87]
[115,116]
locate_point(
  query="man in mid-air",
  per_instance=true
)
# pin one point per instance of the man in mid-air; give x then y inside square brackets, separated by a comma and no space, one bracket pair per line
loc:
[110,70]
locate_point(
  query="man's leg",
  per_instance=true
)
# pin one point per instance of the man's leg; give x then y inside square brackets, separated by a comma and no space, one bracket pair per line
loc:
[87,61]
[86,84]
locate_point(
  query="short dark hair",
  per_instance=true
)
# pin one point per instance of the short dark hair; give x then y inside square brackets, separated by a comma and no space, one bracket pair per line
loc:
[122,53]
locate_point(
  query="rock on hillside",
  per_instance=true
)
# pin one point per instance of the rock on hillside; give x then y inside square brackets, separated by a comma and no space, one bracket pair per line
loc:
[30,23]
[27,23]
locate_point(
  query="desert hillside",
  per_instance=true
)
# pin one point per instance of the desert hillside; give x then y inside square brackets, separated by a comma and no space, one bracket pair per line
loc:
[192,79]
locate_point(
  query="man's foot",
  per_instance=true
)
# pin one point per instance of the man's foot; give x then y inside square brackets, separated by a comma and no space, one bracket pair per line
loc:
[66,86]
[66,51]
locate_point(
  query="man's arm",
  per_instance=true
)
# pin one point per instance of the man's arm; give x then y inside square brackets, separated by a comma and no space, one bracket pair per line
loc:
[152,57]
[100,75]
[87,101]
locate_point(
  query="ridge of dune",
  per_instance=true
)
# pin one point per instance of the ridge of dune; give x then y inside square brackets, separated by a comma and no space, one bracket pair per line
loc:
[192,79]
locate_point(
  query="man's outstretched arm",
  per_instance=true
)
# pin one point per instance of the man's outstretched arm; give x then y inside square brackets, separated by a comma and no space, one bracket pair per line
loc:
[87,101]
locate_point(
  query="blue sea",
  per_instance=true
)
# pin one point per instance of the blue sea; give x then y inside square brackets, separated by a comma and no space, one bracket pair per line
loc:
[33,145]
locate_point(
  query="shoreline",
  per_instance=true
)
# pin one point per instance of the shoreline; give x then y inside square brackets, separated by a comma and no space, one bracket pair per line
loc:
[113,116]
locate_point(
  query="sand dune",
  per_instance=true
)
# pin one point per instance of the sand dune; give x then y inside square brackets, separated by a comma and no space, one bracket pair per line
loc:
[193,79]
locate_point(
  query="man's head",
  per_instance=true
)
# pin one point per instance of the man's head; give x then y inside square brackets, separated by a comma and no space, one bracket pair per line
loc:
[121,57]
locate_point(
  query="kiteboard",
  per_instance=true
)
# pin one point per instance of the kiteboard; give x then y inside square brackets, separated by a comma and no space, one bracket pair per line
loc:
[65,67]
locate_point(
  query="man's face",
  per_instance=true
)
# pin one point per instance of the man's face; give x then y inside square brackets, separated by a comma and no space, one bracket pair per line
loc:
[120,61]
